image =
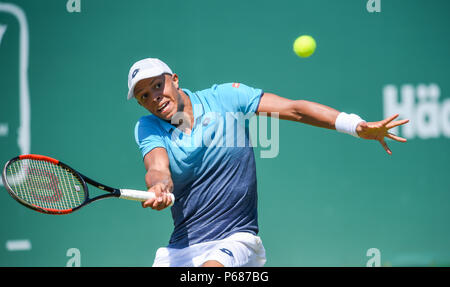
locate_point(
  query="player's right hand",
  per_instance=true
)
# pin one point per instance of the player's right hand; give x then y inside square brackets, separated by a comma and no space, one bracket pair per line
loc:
[161,199]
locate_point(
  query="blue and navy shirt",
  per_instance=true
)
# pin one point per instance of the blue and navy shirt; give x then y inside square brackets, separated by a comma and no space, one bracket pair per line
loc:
[213,168]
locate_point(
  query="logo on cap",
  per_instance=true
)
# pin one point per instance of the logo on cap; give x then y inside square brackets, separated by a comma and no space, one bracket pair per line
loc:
[226,251]
[134,73]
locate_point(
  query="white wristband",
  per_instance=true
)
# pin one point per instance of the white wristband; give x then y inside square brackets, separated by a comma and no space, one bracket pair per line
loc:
[347,123]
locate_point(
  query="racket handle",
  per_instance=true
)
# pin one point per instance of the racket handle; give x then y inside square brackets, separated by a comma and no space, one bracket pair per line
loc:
[140,195]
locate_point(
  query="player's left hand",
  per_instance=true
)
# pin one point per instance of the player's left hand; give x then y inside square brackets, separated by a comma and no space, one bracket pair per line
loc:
[379,130]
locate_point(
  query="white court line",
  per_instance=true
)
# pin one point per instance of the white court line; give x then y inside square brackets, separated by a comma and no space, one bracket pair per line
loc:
[2,32]
[4,129]
[24,136]
[18,245]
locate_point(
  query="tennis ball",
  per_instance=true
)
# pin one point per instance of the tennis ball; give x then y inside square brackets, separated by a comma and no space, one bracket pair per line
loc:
[304,46]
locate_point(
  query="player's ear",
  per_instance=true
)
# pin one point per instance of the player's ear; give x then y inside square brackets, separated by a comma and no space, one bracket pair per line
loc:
[175,81]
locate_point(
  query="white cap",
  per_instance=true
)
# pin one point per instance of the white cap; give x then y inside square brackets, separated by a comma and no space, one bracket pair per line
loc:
[143,69]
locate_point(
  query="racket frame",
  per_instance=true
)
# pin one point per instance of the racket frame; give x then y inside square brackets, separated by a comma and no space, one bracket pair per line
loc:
[113,192]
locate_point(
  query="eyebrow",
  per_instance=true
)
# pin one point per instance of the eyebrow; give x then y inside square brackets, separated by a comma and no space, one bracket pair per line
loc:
[136,93]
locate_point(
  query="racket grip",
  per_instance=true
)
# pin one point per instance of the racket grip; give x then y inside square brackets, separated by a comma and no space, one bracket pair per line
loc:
[140,195]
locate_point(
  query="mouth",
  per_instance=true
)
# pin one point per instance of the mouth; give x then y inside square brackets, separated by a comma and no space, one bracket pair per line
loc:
[164,108]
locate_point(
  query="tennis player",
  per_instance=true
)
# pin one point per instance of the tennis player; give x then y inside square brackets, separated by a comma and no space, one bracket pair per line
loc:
[215,212]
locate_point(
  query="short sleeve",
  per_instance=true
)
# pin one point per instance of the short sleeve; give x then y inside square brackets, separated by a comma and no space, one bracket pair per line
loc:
[239,97]
[148,135]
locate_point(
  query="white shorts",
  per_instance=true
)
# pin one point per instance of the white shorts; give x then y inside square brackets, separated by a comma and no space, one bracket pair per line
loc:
[241,249]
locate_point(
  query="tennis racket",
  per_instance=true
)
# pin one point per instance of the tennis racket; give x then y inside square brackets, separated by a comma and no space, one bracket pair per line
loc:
[49,186]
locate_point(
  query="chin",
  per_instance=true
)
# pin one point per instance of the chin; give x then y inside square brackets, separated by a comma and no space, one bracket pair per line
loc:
[167,117]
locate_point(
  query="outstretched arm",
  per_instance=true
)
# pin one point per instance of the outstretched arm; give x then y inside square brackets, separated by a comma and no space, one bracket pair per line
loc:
[300,111]
[323,116]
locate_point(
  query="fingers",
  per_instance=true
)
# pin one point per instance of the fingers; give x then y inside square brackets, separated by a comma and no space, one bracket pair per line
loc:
[386,148]
[396,123]
[378,131]
[158,203]
[393,137]
[161,200]
[169,199]
[388,120]
[396,138]
[148,203]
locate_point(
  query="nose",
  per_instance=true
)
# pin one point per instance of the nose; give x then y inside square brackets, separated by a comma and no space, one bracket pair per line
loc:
[157,97]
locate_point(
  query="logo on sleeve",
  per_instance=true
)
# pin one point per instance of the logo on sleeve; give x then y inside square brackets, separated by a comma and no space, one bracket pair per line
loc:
[235,85]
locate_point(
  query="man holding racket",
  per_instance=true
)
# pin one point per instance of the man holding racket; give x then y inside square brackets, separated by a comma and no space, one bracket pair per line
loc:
[215,213]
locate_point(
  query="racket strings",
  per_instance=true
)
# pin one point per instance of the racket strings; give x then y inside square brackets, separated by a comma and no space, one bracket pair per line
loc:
[44,184]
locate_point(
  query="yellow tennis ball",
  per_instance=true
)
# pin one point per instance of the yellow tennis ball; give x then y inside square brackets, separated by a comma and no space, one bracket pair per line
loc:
[304,46]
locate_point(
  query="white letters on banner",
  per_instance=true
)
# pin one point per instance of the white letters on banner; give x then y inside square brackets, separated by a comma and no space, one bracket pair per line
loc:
[429,116]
